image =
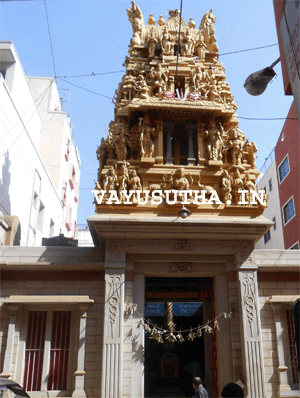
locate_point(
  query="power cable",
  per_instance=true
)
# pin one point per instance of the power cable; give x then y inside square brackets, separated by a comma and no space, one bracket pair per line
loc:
[82,88]
[50,38]
[178,45]
[93,74]
[249,49]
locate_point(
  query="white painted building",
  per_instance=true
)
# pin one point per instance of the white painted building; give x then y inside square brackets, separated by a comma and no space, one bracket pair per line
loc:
[28,189]
[273,239]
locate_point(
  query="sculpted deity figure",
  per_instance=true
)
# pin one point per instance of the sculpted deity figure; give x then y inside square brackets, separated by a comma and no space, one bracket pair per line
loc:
[167,44]
[148,134]
[200,47]
[109,180]
[249,186]
[251,149]
[121,144]
[197,80]
[237,184]
[122,181]
[207,26]
[180,182]
[214,141]
[134,184]
[142,87]
[101,154]
[236,145]
[226,187]
[160,79]
[188,48]
[151,41]
[212,93]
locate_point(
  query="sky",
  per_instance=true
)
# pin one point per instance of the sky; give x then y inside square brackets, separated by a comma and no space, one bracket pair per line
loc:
[92,36]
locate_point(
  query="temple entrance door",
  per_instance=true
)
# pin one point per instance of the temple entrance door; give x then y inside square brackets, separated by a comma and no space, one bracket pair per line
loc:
[171,366]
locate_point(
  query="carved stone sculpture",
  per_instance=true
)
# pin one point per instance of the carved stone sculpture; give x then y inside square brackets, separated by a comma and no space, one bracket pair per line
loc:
[148,134]
[121,144]
[134,184]
[160,79]
[236,144]
[110,180]
[179,180]
[237,184]
[214,141]
[122,181]
[167,43]
[226,187]
[101,154]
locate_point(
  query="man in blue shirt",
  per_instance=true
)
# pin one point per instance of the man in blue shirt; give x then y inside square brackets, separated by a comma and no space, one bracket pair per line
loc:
[200,391]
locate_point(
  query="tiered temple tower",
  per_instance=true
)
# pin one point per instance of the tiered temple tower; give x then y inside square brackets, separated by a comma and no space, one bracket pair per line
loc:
[176,137]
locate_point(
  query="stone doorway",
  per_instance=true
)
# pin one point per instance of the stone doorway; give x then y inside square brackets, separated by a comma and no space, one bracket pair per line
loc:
[170,367]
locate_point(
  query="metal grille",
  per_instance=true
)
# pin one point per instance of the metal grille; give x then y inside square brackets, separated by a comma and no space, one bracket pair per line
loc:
[292,346]
[34,352]
[59,352]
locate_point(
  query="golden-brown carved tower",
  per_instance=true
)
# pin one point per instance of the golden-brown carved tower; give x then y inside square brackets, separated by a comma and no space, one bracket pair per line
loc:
[175,126]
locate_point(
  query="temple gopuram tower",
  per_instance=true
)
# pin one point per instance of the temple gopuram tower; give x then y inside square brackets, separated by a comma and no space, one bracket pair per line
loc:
[178,213]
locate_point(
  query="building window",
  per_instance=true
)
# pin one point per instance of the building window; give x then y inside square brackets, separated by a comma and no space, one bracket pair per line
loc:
[267,236]
[288,211]
[41,344]
[274,221]
[284,169]
[72,176]
[265,189]
[270,184]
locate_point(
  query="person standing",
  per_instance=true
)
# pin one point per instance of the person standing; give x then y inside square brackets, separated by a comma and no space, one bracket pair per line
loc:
[200,391]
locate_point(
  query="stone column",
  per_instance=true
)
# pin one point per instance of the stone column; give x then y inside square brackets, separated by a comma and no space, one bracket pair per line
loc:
[224,352]
[80,373]
[190,129]
[7,373]
[112,370]
[201,148]
[160,142]
[251,331]
[284,388]
[168,129]
[138,341]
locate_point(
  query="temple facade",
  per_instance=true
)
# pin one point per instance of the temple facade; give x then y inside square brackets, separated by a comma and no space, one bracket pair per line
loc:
[173,287]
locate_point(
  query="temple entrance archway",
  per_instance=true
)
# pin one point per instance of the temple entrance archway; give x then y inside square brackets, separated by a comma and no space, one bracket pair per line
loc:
[179,304]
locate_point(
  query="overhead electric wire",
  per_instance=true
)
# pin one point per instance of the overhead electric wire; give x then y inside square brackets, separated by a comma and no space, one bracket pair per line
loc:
[249,49]
[93,74]
[86,89]
[49,32]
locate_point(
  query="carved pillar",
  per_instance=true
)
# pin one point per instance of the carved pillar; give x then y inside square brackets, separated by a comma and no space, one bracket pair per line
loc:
[112,370]
[251,333]
[224,352]
[80,373]
[160,142]
[284,388]
[200,141]
[168,129]
[7,373]
[190,129]
[138,341]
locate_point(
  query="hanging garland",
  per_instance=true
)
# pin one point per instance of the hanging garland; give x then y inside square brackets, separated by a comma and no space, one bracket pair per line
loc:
[161,334]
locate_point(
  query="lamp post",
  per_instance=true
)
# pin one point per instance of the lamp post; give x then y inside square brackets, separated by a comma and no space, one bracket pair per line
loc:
[257,82]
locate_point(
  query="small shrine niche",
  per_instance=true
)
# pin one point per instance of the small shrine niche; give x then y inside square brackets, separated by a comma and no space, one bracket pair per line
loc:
[175,115]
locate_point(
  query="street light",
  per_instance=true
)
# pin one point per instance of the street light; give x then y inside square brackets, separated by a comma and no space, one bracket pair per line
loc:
[257,82]
[183,212]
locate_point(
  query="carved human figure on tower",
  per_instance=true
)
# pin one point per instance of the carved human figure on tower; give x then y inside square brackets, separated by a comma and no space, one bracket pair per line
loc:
[122,181]
[197,80]
[160,79]
[214,141]
[101,154]
[134,184]
[237,184]
[226,187]
[148,134]
[141,87]
[180,181]
[110,180]
[121,143]
[167,43]
[188,47]
[236,145]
